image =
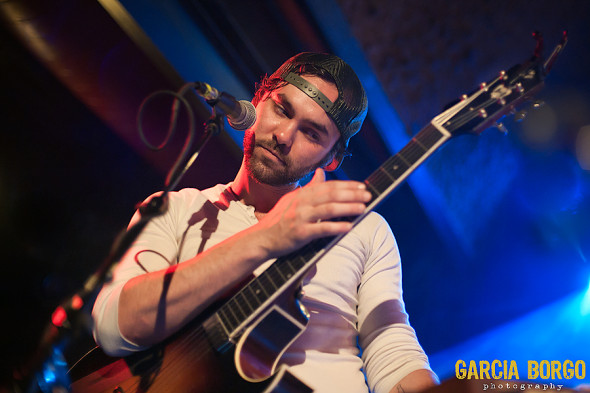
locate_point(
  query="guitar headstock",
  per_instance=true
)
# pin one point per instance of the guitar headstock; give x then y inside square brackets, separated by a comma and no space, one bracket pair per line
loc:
[501,96]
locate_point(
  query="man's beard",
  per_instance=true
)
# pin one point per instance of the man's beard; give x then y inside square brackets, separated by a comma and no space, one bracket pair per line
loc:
[265,171]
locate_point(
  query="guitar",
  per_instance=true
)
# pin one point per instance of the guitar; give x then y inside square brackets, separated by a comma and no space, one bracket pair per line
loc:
[236,346]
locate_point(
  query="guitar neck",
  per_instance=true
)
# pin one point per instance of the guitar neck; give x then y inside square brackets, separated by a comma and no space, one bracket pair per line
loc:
[397,168]
[231,318]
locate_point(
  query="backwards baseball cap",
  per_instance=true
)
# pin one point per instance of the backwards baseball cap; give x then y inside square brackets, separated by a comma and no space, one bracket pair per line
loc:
[350,108]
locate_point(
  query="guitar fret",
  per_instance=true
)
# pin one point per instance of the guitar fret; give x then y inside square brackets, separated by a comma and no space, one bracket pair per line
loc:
[412,152]
[267,282]
[261,286]
[304,257]
[374,191]
[245,301]
[216,332]
[269,274]
[292,269]
[429,136]
[399,167]
[293,262]
[222,313]
[254,294]
[387,173]
[232,317]
[394,168]
[413,156]
[284,267]
[311,250]
[400,155]
[235,307]
[278,271]
[296,261]
[417,141]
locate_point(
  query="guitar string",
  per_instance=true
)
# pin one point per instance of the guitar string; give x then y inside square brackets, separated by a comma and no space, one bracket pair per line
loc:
[382,178]
[467,117]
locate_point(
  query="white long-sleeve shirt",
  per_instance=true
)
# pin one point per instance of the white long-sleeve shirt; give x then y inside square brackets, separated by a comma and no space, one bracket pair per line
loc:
[353,294]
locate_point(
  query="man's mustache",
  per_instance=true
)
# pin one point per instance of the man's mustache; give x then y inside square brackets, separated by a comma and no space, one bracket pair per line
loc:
[273,146]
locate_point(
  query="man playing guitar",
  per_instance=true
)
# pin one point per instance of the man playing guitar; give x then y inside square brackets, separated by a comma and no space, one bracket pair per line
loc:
[358,338]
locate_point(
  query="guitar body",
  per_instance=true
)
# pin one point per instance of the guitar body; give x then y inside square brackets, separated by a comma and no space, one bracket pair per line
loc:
[200,359]
[163,370]
[153,371]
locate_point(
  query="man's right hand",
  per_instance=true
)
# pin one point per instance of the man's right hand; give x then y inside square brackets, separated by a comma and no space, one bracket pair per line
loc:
[304,214]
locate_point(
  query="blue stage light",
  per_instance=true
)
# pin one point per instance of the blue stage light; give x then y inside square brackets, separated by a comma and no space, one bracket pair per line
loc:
[585,305]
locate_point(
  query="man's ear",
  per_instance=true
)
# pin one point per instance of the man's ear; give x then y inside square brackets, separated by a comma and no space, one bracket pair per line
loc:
[334,164]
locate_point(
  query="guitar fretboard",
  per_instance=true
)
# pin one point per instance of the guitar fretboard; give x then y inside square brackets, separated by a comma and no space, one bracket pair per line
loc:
[398,167]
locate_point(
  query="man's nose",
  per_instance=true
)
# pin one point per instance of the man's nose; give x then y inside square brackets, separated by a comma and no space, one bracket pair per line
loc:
[284,136]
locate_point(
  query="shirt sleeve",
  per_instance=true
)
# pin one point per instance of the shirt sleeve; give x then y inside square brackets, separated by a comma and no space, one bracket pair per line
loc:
[390,348]
[154,249]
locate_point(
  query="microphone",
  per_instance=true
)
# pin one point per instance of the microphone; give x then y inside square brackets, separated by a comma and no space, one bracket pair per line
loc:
[241,114]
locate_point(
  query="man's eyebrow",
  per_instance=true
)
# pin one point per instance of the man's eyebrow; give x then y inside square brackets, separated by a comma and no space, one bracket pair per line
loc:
[284,101]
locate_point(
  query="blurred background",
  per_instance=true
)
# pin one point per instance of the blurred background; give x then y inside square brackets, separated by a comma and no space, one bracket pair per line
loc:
[494,230]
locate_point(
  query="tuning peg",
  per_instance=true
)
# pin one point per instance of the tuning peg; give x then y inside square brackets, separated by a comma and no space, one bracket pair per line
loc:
[537,104]
[501,127]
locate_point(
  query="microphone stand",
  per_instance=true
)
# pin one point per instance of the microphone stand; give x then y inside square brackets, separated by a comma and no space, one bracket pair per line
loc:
[48,369]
